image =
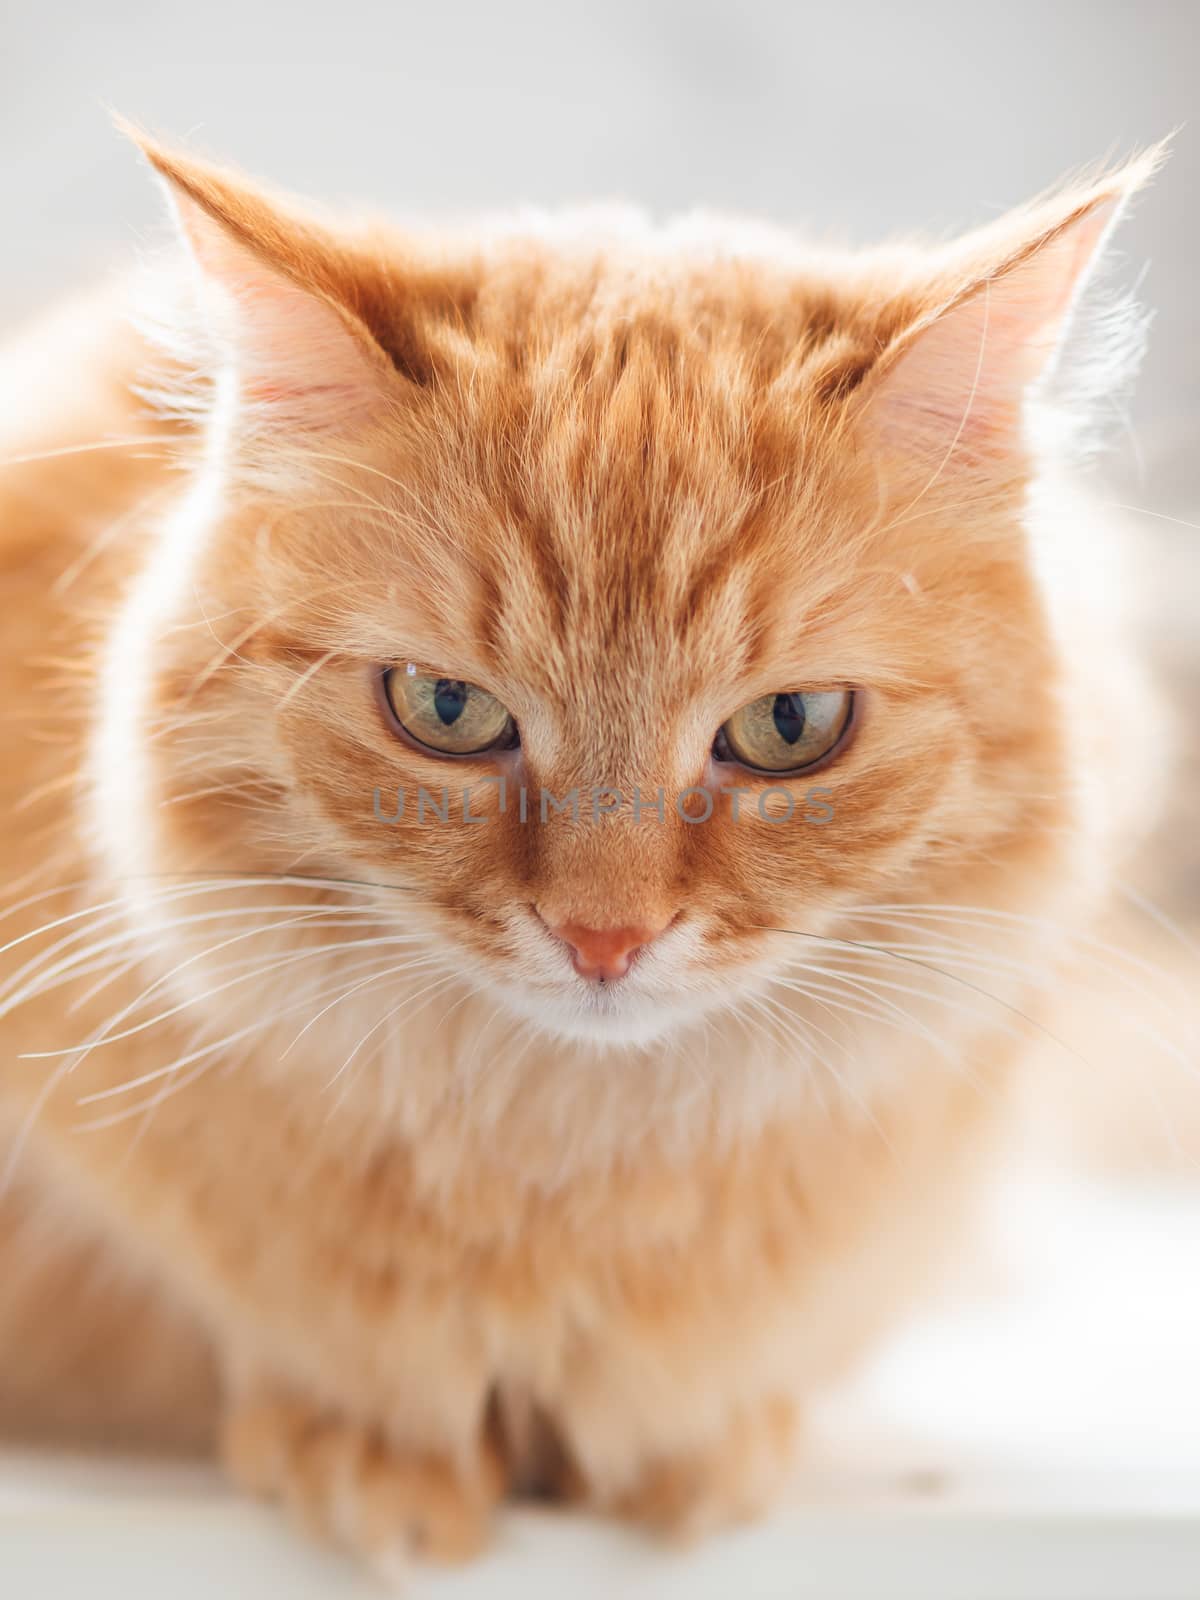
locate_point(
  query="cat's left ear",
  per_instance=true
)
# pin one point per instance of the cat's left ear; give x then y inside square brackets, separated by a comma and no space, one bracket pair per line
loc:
[950,389]
[285,299]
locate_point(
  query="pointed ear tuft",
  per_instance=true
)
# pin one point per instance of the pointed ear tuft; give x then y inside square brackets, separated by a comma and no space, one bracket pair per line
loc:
[951,388]
[281,296]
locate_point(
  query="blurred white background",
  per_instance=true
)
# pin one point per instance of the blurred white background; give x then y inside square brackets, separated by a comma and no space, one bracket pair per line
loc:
[857,119]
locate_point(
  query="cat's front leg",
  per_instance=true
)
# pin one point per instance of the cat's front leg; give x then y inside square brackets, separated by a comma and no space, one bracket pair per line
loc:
[350,1483]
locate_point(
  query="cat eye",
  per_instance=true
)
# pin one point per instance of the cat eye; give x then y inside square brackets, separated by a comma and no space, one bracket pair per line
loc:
[783,733]
[447,715]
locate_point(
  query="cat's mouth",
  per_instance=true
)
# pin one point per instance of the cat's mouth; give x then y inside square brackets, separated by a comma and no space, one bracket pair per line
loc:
[624,986]
[619,1012]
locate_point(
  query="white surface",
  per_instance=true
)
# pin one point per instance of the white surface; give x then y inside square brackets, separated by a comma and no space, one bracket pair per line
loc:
[237,1554]
[1041,1440]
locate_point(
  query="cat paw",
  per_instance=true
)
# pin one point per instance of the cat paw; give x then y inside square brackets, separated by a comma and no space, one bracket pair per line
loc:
[348,1485]
[690,1495]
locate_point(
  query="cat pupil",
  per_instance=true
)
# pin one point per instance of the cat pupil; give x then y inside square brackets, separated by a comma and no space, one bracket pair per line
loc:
[789,716]
[449,699]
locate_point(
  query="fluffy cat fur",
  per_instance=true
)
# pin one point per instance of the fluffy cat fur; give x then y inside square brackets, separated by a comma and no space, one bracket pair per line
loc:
[316,1142]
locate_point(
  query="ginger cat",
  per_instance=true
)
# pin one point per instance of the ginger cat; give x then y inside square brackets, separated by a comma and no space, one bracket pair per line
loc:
[549,769]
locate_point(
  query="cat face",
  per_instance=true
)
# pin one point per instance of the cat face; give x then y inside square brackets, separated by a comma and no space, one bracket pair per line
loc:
[637,608]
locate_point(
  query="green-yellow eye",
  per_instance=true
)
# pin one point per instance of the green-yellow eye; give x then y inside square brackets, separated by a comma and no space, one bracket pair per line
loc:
[785,732]
[446,714]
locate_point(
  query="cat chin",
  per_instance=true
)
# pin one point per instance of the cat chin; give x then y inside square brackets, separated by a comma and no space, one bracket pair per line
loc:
[603,1016]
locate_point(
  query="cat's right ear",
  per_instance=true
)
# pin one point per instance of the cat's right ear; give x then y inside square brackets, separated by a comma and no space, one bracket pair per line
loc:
[282,297]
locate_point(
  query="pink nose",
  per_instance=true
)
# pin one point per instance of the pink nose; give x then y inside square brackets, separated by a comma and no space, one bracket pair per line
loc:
[603,953]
